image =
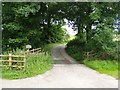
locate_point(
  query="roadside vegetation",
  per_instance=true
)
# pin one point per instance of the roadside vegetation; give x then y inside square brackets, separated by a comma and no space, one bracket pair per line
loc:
[97,47]
[30,24]
[35,65]
[39,24]
[106,63]
[109,67]
[48,47]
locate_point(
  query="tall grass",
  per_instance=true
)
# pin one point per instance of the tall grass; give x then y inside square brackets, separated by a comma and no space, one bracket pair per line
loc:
[35,64]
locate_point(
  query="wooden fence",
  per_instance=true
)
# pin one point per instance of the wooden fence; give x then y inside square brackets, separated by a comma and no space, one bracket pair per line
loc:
[13,60]
[89,55]
[17,61]
[34,51]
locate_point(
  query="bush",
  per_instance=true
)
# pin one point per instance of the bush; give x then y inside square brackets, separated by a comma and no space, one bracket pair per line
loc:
[102,44]
[76,48]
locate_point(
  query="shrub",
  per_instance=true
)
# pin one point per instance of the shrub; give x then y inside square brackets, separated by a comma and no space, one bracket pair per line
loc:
[76,48]
[103,44]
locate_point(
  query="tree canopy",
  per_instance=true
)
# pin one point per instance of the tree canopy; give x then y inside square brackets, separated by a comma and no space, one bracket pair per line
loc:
[30,23]
[39,23]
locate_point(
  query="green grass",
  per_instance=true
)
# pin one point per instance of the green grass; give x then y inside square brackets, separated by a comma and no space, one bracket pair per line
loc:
[109,67]
[35,65]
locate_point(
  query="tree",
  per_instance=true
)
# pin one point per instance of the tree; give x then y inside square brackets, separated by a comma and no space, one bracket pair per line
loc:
[104,14]
[29,23]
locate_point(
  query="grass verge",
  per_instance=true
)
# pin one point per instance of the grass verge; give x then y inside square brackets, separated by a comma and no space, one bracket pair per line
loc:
[35,65]
[109,67]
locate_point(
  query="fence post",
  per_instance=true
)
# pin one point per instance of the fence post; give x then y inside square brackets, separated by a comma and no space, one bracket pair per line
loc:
[28,51]
[33,51]
[36,51]
[87,55]
[10,59]
[24,61]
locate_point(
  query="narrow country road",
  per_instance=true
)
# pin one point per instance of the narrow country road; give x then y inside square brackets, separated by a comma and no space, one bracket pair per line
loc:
[66,73]
[60,56]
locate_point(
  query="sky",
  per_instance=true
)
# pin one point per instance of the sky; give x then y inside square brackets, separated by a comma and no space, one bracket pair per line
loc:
[70,31]
[69,28]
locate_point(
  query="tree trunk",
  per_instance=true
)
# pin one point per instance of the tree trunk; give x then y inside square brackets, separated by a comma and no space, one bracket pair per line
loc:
[88,30]
[80,28]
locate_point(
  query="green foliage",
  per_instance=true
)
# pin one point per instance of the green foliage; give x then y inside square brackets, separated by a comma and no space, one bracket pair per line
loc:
[76,49]
[48,47]
[109,67]
[102,43]
[35,65]
[56,34]
[12,26]
[26,9]
[16,51]
[97,41]
[30,23]
[40,23]
[96,12]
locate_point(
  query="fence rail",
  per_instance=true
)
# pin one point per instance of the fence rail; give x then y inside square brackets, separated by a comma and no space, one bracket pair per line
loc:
[10,61]
[17,61]
[34,51]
